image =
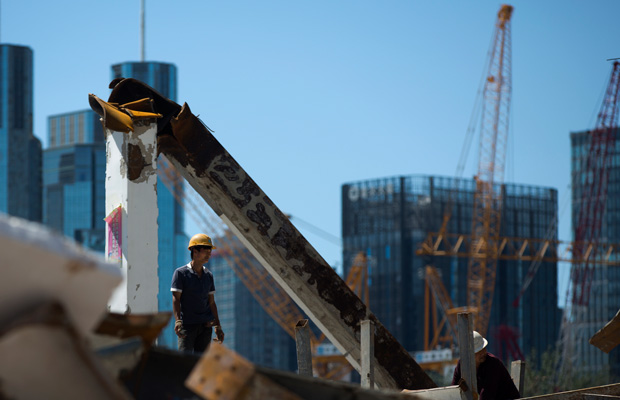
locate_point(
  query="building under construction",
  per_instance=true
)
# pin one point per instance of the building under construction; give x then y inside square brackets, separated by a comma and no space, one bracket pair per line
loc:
[389,218]
[594,294]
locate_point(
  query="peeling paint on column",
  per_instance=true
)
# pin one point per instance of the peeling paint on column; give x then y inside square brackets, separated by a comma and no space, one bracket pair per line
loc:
[136,162]
[140,161]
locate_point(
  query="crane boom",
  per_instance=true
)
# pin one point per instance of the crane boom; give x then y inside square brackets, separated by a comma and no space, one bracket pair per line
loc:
[492,150]
[484,242]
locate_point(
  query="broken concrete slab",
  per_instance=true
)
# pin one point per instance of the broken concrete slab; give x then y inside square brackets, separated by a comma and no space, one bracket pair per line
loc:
[39,265]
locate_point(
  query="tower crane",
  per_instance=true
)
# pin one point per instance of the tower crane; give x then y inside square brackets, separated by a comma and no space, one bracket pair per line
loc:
[492,151]
[486,246]
[496,96]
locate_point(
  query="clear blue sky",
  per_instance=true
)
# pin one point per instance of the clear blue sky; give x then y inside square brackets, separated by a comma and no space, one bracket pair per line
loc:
[308,95]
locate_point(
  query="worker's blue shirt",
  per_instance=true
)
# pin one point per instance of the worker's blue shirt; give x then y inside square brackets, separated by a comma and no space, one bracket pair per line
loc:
[195,293]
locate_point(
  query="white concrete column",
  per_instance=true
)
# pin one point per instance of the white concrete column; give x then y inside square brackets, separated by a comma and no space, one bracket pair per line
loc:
[131,183]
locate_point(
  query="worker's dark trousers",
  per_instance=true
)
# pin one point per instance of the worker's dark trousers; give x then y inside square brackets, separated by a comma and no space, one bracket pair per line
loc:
[196,338]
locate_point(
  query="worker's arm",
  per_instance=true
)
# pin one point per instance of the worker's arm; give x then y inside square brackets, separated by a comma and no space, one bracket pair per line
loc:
[456,376]
[216,322]
[176,310]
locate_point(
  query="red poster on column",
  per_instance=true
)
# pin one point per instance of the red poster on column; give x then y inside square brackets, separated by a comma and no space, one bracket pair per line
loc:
[115,243]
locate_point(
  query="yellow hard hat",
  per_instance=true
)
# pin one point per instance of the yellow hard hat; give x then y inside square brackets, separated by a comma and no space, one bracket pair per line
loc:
[200,239]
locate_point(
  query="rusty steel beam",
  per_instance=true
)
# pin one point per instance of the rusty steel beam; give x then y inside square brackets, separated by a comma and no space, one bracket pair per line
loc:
[271,237]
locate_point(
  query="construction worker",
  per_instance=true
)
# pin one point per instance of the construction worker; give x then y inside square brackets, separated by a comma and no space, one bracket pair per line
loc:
[493,380]
[193,299]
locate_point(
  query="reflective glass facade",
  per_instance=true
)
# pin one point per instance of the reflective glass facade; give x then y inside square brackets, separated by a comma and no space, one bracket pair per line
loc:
[604,296]
[160,76]
[74,128]
[172,240]
[388,218]
[20,150]
[74,192]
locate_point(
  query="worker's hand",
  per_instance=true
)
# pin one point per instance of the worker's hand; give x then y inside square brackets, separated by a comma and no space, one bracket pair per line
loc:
[178,328]
[219,333]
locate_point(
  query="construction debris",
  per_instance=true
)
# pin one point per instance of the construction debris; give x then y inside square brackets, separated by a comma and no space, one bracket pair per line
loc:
[608,337]
[52,294]
[44,357]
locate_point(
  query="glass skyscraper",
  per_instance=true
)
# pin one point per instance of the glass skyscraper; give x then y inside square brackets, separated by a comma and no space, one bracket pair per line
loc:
[172,242]
[388,218]
[80,127]
[604,291]
[74,178]
[20,150]
[160,76]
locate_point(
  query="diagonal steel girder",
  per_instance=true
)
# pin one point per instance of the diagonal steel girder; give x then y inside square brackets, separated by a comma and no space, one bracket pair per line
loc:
[272,238]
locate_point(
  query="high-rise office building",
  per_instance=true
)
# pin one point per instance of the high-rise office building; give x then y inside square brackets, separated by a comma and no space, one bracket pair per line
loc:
[601,304]
[80,127]
[160,76]
[172,242]
[74,178]
[388,218]
[249,329]
[20,150]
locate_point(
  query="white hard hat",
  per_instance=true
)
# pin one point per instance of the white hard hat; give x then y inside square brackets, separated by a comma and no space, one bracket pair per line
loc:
[479,342]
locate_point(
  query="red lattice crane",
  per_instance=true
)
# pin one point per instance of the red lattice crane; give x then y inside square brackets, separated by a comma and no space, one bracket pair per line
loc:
[594,190]
[590,180]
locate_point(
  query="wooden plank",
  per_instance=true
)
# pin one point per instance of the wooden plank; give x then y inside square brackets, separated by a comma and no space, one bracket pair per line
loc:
[304,351]
[590,396]
[441,393]
[608,337]
[466,346]
[517,372]
[223,374]
[611,390]
[146,326]
[367,342]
